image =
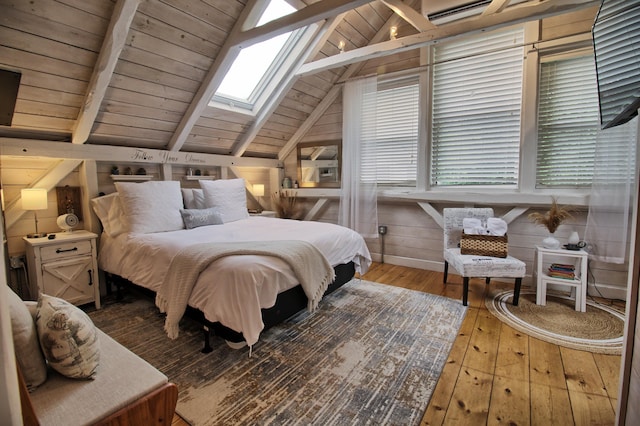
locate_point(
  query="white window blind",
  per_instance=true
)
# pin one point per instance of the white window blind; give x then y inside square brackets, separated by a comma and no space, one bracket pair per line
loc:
[394,158]
[477,93]
[568,122]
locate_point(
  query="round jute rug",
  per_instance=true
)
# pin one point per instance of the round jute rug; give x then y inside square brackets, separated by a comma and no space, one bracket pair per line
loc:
[599,329]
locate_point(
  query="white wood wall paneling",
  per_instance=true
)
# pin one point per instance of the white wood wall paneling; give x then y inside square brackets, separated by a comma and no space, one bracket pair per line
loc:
[14,212]
[236,172]
[333,93]
[88,178]
[468,26]
[313,213]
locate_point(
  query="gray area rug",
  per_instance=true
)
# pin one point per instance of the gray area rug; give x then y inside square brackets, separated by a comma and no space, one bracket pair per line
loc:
[370,354]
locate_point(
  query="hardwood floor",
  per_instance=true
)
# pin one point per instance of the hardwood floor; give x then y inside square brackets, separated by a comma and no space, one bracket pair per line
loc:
[497,375]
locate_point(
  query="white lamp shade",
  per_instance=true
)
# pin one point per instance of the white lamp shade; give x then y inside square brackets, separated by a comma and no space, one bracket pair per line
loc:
[34,199]
[258,190]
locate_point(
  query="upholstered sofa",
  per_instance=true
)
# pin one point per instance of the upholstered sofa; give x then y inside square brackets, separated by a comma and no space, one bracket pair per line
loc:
[121,388]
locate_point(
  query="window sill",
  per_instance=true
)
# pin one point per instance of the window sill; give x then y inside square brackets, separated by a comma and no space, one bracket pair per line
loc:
[511,198]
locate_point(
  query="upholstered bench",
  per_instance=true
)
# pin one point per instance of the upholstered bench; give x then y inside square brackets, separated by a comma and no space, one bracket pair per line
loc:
[123,388]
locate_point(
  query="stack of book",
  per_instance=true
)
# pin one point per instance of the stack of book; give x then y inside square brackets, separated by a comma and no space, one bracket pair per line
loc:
[560,270]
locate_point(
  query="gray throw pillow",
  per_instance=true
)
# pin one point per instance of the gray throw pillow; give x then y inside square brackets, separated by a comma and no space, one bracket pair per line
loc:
[200,217]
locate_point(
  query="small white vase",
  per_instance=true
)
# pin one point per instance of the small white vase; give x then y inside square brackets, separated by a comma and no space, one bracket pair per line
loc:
[551,242]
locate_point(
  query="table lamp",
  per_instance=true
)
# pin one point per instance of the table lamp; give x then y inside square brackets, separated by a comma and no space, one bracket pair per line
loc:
[34,199]
[258,191]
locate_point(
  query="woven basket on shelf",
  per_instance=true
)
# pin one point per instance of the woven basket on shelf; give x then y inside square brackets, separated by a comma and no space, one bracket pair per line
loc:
[484,245]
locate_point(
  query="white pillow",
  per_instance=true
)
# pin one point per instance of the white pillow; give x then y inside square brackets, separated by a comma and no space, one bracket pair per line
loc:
[193,198]
[108,208]
[25,342]
[151,206]
[228,195]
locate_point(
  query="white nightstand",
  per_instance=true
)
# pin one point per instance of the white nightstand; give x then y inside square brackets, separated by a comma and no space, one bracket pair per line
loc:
[65,266]
[578,258]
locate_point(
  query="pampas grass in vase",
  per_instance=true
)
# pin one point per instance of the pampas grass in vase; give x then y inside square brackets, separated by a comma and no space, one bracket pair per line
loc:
[286,205]
[551,220]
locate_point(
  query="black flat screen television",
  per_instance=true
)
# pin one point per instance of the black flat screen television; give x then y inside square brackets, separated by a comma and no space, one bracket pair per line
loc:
[616,41]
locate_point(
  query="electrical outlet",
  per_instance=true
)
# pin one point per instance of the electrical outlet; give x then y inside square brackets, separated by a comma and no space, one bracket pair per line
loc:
[382,229]
[16,261]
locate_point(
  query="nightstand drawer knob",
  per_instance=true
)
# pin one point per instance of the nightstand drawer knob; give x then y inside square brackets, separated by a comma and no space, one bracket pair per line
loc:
[90,277]
[64,251]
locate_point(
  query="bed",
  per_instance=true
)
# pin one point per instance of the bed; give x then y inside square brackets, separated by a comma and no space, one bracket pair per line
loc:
[237,295]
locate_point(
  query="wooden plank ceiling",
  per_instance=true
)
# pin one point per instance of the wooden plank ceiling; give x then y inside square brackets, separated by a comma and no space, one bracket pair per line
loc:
[139,73]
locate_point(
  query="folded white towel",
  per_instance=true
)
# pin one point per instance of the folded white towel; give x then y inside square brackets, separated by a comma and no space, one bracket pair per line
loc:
[472,226]
[496,226]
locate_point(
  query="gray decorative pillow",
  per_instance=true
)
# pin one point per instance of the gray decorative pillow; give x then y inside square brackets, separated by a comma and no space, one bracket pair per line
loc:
[25,342]
[200,217]
[68,338]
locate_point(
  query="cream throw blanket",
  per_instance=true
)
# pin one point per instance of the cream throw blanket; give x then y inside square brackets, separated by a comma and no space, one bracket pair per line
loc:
[312,269]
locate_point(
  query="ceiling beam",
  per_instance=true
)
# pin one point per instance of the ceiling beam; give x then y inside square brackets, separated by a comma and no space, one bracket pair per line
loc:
[409,14]
[510,16]
[496,6]
[116,154]
[285,85]
[330,97]
[311,14]
[224,59]
[112,46]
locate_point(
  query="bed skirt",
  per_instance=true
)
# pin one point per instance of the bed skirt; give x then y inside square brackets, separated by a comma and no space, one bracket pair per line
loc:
[288,303]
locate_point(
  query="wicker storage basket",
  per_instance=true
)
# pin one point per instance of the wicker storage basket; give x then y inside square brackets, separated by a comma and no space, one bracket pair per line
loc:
[484,245]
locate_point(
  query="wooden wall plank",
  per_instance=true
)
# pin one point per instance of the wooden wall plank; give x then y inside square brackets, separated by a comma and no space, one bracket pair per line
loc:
[41,25]
[168,69]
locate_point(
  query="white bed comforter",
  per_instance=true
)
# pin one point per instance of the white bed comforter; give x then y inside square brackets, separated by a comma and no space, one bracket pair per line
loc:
[233,289]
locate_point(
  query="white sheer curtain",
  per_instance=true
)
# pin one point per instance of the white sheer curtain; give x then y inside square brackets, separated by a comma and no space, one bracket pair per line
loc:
[612,192]
[358,200]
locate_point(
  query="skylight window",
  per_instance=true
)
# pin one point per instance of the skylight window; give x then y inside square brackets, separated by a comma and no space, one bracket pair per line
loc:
[258,65]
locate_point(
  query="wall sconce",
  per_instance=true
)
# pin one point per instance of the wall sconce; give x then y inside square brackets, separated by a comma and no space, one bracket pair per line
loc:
[393,33]
[34,199]
[341,46]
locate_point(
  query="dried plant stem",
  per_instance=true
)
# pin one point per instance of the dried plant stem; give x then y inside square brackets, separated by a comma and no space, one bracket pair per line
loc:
[553,218]
[285,205]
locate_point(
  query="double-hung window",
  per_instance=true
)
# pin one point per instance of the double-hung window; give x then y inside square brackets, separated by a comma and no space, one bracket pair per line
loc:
[476,108]
[568,122]
[394,135]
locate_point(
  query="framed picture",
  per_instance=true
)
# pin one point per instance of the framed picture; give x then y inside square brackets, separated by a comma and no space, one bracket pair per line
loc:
[69,200]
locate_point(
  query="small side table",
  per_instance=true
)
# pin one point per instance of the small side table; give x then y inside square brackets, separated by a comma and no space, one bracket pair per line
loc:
[578,258]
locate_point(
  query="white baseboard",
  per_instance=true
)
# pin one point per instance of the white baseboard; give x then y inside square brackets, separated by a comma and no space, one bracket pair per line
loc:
[597,290]
[607,291]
